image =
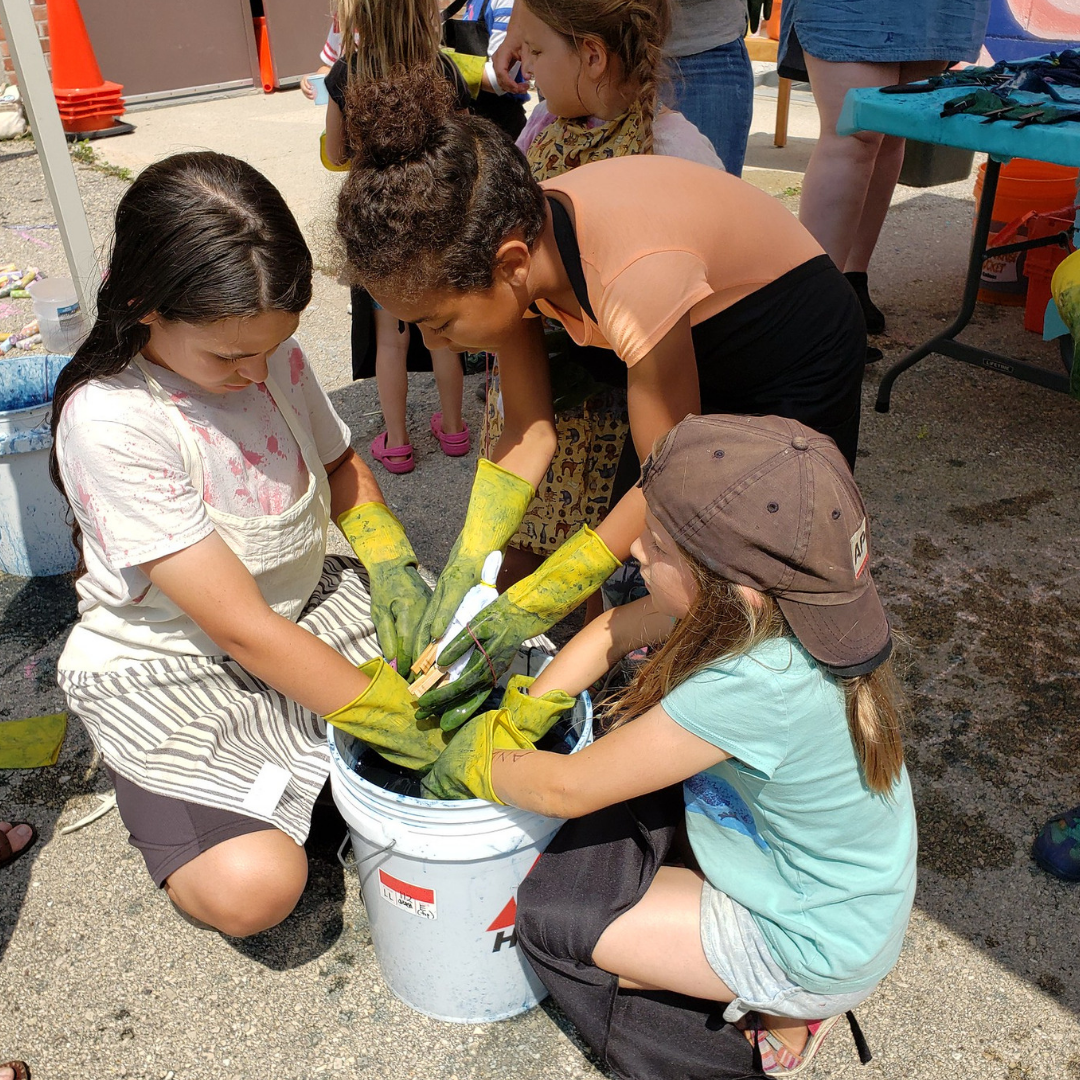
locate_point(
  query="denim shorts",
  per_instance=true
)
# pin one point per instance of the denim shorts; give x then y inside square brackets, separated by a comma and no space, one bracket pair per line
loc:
[737,952]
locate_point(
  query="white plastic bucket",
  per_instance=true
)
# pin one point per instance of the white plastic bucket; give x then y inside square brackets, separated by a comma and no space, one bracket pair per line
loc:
[60,319]
[440,886]
[35,540]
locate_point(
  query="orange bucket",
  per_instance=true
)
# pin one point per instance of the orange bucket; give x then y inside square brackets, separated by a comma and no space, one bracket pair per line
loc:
[772,23]
[1024,185]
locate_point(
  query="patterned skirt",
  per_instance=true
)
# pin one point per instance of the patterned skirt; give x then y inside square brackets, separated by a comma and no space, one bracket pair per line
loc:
[578,485]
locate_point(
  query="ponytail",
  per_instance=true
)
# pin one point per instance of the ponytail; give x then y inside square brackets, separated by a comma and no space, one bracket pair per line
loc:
[875,712]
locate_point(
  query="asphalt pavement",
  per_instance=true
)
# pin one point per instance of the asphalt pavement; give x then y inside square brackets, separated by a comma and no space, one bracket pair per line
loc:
[971,485]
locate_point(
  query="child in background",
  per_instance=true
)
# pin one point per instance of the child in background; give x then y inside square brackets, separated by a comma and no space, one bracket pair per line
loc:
[379,36]
[773,706]
[203,464]
[489,20]
[329,55]
[598,67]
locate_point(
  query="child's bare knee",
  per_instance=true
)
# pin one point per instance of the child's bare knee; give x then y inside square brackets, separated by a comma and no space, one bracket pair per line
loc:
[244,885]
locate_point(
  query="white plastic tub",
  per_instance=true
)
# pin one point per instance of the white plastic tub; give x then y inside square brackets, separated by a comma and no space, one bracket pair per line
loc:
[440,885]
[35,540]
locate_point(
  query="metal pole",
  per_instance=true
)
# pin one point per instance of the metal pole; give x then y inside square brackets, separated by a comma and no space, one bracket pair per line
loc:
[37,96]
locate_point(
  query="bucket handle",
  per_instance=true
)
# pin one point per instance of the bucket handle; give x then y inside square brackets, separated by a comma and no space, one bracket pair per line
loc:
[348,864]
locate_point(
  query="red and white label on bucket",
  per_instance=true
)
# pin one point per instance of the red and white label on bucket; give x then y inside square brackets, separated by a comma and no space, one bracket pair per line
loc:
[408,897]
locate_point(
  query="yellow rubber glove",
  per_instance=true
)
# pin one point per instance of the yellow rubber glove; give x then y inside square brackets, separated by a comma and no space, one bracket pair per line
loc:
[471,68]
[534,716]
[384,717]
[497,504]
[463,770]
[399,595]
[1065,287]
[526,609]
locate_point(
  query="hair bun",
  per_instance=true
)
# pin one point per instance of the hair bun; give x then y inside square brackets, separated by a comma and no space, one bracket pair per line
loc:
[394,120]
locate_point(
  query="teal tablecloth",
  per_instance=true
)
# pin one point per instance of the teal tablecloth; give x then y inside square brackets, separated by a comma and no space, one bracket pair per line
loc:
[918,116]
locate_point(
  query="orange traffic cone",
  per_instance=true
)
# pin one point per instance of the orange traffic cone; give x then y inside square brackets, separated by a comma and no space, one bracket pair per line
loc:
[266,59]
[87,103]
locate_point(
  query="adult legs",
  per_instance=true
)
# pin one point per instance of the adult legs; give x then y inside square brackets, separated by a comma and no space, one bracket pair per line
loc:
[714,90]
[887,166]
[850,178]
[244,884]
[838,177]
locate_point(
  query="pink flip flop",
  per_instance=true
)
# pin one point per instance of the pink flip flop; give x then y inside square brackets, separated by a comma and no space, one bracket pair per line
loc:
[455,445]
[382,453]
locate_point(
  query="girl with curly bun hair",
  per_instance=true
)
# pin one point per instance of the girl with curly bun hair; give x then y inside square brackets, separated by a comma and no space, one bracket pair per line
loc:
[706,292]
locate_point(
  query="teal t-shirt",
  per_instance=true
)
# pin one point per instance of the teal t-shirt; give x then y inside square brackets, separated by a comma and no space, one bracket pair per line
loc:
[787,827]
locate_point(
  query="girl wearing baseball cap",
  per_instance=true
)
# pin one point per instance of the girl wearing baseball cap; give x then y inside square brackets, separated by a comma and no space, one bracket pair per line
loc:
[743,849]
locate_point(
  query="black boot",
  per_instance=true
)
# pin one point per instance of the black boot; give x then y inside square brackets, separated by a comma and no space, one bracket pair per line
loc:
[875,320]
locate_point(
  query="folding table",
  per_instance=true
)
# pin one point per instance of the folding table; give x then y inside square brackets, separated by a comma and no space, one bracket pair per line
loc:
[918,116]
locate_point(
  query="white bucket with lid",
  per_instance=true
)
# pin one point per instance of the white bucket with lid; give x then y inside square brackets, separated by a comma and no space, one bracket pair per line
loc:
[35,540]
[440,886]
[60,320]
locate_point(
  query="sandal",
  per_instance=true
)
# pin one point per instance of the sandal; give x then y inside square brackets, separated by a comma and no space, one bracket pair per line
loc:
[383,453]
[19,1068]
[777,1058]
[455,445]
[8,854]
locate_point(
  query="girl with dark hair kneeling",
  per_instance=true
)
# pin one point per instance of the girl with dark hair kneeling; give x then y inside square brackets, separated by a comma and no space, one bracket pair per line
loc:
[708,293]
[203,463]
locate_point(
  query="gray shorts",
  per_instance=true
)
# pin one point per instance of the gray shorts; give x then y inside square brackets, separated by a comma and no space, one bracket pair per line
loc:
[737,952]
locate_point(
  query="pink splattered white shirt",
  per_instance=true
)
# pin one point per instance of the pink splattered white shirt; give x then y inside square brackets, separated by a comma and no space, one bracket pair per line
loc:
[124,473]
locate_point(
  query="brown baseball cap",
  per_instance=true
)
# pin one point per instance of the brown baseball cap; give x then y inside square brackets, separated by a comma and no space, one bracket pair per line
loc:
[769,503]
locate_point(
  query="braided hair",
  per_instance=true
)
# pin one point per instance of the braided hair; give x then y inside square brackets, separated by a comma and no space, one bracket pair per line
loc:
[632,31]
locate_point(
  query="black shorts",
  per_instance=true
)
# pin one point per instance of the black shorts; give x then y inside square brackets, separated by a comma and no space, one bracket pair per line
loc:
[171,832]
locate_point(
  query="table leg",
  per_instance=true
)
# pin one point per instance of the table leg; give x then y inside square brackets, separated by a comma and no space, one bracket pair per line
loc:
[971,288]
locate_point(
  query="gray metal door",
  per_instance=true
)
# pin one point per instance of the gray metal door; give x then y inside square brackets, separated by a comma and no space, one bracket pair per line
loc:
[297,30]
[165,49]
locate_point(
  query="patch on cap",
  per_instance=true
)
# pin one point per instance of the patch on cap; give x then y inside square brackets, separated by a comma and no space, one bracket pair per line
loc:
[860,549]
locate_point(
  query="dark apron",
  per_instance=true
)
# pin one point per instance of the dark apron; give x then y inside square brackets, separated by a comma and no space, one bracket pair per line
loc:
[596,868]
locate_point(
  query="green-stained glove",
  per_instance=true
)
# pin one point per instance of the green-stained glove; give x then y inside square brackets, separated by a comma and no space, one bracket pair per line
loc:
[463,770]
[534,716]
[399,595]
[497,504]
[526,609]
[1065,288]
[384,716]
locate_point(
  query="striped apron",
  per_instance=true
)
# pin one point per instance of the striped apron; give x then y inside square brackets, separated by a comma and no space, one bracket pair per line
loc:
[192,725]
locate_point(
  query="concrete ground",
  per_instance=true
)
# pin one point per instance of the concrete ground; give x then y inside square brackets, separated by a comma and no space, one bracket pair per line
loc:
[970,481]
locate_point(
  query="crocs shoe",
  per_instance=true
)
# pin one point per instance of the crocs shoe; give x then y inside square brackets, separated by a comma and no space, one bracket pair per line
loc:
[455,445]
[1057,846]
[383,453]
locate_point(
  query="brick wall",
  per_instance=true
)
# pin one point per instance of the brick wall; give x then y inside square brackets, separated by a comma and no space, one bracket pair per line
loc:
[42,23]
